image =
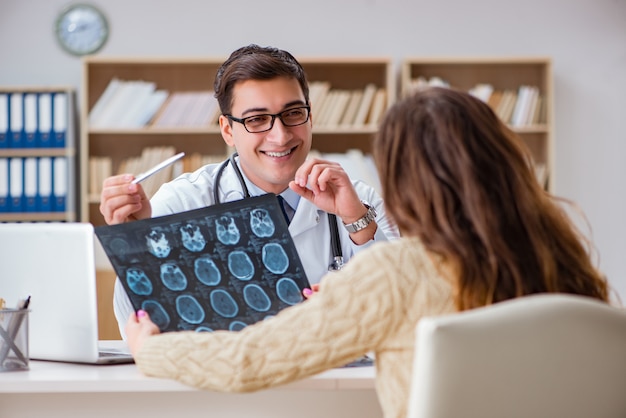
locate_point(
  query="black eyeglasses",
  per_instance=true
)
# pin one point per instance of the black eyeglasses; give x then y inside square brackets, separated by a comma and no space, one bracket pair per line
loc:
[262,123]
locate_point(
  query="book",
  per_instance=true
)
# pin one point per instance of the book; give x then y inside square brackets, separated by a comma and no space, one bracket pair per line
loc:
[364,106]
[353,106]
[338,108]
[224,266]
[100,107]
[377,108]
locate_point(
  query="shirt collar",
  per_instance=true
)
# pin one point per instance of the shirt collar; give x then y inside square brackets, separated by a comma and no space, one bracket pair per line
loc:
[291,197]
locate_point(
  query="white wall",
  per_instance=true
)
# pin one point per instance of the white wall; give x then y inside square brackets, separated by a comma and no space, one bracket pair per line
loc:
[586,38]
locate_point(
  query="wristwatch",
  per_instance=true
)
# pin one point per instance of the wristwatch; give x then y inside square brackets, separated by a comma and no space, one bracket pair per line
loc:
[363,222]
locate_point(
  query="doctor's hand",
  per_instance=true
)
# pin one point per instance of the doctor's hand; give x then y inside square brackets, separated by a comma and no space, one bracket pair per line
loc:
[121,201]
[138,328]
[329,188]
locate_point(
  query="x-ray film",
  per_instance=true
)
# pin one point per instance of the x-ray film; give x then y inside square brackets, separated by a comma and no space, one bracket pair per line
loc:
[221,267]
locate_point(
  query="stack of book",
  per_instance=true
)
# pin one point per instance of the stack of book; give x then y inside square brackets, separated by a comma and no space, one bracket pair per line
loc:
[346,109]
[522,107]
[102,167]
[188,109]
[137,103]
[126,104]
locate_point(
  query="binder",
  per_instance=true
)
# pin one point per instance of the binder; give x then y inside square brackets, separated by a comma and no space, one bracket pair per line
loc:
[45,120]
[4,120]
[44,184]
[30,121]
[30,184]
[4,184]
[16,119]
[59,118]
[59,184]
[16,185]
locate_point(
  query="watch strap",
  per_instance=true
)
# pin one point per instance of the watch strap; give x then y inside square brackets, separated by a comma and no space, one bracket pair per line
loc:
[363,222]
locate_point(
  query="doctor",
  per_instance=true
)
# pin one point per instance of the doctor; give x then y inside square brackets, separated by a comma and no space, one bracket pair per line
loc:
[264,98]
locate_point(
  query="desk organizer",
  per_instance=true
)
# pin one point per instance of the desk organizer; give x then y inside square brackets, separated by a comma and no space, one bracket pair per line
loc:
[13,339]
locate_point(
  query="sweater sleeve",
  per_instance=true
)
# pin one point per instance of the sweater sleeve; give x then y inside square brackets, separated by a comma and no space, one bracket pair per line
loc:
[346,319]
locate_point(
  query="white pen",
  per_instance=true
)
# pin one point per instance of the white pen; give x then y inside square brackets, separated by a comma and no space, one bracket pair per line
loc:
[160,166]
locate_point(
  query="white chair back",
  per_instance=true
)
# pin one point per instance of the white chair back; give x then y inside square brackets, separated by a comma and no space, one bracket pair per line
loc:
[547,355]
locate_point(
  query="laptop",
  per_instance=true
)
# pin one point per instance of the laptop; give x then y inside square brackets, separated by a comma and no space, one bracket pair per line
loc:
[54,263]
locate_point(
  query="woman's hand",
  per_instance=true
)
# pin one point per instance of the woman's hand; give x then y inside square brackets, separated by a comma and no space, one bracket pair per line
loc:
[310,292]
[138,328]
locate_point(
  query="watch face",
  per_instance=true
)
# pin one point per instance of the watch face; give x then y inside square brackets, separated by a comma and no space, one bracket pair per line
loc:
[81,29]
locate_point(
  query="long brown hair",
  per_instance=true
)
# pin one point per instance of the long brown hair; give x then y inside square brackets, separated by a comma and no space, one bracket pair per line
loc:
[455,176]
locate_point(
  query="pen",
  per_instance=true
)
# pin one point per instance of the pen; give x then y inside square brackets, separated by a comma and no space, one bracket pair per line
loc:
[12,330]
[160,166]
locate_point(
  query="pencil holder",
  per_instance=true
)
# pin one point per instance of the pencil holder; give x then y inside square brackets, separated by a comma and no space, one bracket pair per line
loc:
[13,339]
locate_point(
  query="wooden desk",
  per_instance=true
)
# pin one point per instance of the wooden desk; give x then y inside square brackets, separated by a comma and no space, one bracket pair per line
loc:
[55,390]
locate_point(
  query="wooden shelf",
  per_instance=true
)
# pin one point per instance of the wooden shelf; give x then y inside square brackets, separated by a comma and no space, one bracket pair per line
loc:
[502,73]
[35,152]
[195,74]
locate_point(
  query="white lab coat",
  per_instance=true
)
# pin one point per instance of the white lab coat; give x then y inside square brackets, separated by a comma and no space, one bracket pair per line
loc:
[309,227]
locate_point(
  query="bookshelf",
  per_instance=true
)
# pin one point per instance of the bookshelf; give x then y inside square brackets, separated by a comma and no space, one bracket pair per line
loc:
[502,74]
[179,75]
[38,154]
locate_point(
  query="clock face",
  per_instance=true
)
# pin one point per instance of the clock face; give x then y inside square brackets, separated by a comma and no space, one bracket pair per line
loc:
[81,29]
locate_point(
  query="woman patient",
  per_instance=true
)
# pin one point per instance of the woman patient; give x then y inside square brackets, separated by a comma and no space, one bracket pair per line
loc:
[477,229]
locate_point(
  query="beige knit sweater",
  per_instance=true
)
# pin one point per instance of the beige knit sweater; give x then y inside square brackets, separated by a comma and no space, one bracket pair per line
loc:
[372,305]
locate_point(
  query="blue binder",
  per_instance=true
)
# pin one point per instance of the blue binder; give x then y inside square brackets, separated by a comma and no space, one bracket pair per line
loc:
[4,120]
[45,120]
[30,184]
[16,184]
[30,138]
[59,184]
[4,184]
[59,118]
[16,119]
[44,184]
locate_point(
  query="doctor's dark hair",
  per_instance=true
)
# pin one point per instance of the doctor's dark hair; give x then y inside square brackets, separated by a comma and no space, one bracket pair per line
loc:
[456,177]
[254,62]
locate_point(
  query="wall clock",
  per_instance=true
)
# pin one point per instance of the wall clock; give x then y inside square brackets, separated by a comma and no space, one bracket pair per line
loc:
[81,29]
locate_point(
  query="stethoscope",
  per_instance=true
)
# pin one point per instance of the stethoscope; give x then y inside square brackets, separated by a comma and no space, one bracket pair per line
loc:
[335,242]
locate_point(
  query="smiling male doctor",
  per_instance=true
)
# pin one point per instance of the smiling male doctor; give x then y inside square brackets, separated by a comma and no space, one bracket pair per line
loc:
[264,98]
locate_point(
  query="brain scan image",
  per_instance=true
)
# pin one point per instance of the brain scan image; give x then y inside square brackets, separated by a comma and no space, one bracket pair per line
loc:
[172,277]
[223,303]
[240,265]
[288,291]
[256,298]
[119,247]
[157,313]
[206,271]
[192,238]
[227,231]
[261,224]
[220,267]
[138,282]
[203,329]
[158,245]
[189,309]
[236,326]
[275,258]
